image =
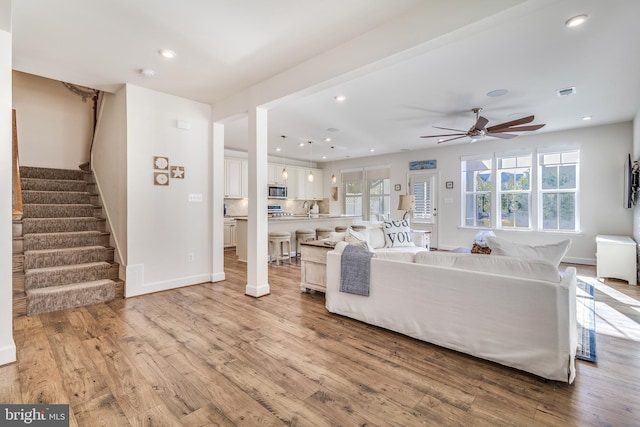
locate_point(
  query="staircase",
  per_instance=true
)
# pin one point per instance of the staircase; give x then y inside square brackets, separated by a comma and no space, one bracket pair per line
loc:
[62,258]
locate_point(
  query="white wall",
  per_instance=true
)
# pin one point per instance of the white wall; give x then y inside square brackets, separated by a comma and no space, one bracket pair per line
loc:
[54,125]
[163,227]
[603,150]
[109,162]
[7,345]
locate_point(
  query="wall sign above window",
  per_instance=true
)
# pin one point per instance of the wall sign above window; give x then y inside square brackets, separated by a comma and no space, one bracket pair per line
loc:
[422,164]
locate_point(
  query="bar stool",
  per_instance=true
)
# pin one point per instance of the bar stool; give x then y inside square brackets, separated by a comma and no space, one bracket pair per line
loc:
[303,235]
[277,242]
[323,232]
[341,229]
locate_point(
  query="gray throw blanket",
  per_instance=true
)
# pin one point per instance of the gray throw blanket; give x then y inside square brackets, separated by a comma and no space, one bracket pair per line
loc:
[355,265]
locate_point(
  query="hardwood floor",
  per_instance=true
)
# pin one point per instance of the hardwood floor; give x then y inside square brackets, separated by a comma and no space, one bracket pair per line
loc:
[209,355]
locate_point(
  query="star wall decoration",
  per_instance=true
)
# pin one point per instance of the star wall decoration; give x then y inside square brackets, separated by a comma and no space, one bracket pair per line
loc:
[177,172]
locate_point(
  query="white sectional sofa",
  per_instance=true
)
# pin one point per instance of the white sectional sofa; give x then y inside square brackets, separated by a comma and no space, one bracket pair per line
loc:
[514,311]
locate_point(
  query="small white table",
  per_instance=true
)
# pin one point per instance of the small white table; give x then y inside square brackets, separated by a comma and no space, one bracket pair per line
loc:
[616,258]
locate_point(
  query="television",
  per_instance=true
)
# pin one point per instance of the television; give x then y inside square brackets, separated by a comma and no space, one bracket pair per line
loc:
[631,182]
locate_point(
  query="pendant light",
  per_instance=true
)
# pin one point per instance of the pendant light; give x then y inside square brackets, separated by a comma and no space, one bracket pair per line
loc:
[333,164]
[285,174]
[310,177]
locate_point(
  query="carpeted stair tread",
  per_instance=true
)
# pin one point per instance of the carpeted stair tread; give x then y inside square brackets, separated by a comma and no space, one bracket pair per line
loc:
[72,239]
[67,256]
[73,295]
[60,275]
[56,211]
[48,173]
[59,225]
[56,197]
[67,261]
[38,184]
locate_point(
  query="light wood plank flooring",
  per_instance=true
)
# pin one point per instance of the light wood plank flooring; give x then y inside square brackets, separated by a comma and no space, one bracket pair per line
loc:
[209,355]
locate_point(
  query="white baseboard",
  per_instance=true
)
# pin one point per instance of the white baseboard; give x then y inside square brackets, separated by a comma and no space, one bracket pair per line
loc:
[575,260]
[133,290]
[257,290]
[8,353]
[218,277]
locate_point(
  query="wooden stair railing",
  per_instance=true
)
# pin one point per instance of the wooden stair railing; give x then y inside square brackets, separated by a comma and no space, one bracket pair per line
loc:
[17,189]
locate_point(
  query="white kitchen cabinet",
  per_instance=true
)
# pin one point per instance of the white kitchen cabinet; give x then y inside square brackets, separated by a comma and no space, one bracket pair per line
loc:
[274,174]
[229,234]
[233,178]
[300,188]
[245,178]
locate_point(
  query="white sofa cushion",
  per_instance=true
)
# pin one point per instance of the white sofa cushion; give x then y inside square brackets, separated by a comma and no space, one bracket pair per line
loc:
[358,238]
[553,252]
[376,236]
[397,233]
[537,269]
[405,253]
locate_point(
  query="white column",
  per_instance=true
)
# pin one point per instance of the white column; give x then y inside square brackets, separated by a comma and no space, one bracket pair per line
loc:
[217,200]
[7,345]
[258,226]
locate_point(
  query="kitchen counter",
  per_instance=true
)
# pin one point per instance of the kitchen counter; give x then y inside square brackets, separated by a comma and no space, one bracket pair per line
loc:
[290,224]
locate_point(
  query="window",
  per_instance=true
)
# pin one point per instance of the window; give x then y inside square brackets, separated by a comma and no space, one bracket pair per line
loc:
[514,193]
[559,190]
[352,182]
[367,193]
[476,191]
[522,191]
[422,188]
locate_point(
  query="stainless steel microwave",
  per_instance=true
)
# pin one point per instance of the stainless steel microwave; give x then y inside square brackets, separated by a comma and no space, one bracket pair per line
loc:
[277,192]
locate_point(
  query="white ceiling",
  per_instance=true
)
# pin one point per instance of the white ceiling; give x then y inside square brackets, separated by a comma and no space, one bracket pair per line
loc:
[225,46]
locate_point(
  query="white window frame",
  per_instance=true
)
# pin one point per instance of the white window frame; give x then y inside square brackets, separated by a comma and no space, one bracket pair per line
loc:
[465,192]
[562,151]
[523,161]
[382,172]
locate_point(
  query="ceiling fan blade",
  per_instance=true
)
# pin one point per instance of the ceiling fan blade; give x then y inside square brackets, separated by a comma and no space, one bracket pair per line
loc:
[502,135]
[440,136]
[516,122]
[457,130]
[480,123]
[519,128]
[451,139]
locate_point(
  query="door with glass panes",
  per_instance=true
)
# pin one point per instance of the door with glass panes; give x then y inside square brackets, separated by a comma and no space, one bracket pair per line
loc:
[424,187]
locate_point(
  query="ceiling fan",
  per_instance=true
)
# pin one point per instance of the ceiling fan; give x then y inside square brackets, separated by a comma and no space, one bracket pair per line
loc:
[478,130]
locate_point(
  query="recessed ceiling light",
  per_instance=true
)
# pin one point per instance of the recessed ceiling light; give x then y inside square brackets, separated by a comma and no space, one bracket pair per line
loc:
[327,139]
[340,98]
[441,140]
[145,72]
[371,150]
[278,149]
[576,21]
[167,53]
[585,118]
[301,144]
[324,157]
[497,92]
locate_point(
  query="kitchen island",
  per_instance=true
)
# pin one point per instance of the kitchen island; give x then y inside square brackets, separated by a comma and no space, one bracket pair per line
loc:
[290,224]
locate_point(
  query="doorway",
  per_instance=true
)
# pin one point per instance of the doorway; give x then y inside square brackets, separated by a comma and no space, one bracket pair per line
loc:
[424,187]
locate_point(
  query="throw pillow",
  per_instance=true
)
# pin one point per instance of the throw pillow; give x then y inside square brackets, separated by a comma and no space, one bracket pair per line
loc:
[358,238]
[553,252]
[397,234]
